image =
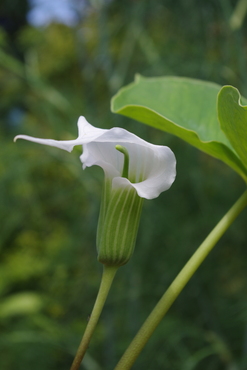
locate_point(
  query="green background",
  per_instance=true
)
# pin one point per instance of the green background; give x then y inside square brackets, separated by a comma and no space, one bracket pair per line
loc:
[49,274]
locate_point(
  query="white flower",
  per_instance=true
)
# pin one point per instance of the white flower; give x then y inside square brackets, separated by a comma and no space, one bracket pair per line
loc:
[134,169]
[152,168]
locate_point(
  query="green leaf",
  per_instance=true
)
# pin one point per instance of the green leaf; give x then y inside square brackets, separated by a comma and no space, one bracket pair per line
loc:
[233,120]
[183,107]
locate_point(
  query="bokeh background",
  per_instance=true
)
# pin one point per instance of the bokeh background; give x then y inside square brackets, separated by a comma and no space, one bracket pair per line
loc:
[62,59]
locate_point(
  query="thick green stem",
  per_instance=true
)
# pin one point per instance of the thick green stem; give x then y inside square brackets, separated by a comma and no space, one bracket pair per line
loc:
[177,286]
[106,281]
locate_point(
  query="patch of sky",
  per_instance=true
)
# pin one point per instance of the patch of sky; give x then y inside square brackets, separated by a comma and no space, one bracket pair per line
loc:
[44,12]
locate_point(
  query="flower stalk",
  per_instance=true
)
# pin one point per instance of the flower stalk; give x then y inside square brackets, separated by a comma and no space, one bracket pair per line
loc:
[178,284]
[106,282]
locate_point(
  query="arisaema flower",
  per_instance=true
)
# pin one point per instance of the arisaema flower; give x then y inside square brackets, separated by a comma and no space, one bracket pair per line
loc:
[134,170]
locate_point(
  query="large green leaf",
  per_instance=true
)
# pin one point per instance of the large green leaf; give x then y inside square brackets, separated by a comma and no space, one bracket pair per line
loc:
[233,120]
[183,107]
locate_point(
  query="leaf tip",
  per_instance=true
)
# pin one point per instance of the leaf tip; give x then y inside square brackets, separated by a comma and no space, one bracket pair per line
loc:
[231,92]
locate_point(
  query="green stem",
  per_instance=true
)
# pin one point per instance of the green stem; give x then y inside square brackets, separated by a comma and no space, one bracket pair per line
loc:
[106,281]
[178,284]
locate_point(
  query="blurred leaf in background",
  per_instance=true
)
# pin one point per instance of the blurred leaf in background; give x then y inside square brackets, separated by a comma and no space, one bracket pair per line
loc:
[50,74]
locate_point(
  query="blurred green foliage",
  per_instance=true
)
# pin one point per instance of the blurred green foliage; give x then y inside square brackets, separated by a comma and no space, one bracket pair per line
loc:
[49,274]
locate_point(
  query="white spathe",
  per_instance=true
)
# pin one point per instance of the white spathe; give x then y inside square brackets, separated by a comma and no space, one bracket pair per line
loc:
[152,168]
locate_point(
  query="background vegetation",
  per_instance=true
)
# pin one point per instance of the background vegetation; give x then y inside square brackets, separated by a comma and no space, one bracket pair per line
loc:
[49,274]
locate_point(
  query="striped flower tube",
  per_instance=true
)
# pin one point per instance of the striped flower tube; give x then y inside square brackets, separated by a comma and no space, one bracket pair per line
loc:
[134,170]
